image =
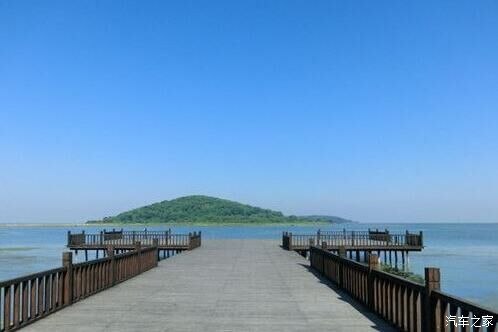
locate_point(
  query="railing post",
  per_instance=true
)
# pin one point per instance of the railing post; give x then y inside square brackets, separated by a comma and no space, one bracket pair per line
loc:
[318,236]
[138,249]
[290,241]
[373,264]
[189,241]
[324,245]
[112,272]
[101,237]
[432,282]
[84,237]
[342,251]
[352,238]
[68,238]
[155,243]
[421,239]
[67,263]
[342,255]
[200,238]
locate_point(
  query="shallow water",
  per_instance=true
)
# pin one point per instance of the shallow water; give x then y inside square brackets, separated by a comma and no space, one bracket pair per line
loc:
[467,254]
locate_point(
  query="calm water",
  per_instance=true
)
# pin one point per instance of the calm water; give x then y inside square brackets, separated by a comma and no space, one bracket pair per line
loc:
[467,254]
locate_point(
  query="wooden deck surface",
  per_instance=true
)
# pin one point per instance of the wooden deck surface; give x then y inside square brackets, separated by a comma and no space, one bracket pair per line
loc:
[225,285]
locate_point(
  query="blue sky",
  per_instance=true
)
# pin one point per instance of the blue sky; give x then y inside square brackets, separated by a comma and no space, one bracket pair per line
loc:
[380,111]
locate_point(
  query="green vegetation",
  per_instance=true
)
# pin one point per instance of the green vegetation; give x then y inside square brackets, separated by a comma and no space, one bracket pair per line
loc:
[201,210]
[328,219]
[404,274]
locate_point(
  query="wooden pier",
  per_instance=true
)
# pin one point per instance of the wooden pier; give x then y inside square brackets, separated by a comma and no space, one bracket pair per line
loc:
[226,285]
[392,248]
[231,285]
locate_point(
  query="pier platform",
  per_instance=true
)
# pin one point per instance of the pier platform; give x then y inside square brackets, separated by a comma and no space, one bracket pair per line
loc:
[224,285]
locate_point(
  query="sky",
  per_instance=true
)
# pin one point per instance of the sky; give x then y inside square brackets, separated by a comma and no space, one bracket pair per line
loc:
[378,111]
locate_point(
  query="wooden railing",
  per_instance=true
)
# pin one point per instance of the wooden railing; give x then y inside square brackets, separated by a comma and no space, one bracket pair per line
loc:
[127,238]
[407,305]
[378,235]
[352,239]
[26,299]
[112,235]
[194,240]
[75,239]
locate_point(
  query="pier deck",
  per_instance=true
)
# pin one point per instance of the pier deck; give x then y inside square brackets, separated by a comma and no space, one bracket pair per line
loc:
[225,285]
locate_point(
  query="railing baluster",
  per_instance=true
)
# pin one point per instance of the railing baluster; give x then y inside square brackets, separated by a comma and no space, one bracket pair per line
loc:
[25,296]
[6,307]
[41,301]
[32,301]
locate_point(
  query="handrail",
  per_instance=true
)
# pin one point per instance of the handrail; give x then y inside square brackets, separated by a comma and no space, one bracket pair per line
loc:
[352,239]
[407,305]
[444,306]
[128,238]
[26,299]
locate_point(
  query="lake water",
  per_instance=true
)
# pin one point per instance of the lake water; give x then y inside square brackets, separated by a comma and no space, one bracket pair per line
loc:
[467,254]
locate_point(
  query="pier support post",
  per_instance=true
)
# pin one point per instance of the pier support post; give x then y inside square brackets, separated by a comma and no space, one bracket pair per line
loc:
[67,262]
[68,238]
[432,282]
[373,264]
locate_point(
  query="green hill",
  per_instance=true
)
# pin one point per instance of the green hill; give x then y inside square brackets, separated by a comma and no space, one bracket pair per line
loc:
[200,209]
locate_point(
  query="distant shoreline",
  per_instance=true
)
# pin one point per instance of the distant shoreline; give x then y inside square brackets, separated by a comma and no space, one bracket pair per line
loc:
[207,224]
[309,223]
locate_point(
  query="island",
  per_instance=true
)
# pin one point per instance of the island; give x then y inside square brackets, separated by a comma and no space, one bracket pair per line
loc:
[199,209]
